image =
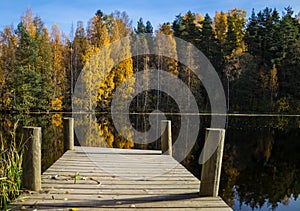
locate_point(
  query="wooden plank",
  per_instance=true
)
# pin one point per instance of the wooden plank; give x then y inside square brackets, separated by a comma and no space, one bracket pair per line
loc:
[144,198]
[145,201]
[149,203]
[118,180]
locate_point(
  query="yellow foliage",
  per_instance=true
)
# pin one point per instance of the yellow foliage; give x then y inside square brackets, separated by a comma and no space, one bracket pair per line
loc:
[274,80]
[198,20]
[7,123]
[220,25]
[91,51]
[27,20]
[56,120]
[57,104]
[283,104]
[110,140]
[7,101]
[238,20]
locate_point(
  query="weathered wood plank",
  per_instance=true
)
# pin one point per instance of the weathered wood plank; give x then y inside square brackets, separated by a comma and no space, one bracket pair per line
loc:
[142,202]
[118,180]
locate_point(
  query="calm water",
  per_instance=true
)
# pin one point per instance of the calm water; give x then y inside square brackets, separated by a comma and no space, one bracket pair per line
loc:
[261,168]
[261,163]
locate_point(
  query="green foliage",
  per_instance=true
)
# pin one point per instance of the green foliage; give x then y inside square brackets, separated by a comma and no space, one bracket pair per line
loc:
[11,154]
[76,177]
[258,61]
[37,68]
[236,20]
[141,28]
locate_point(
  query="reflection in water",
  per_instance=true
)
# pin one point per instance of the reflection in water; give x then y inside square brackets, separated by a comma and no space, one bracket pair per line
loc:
[98,131]
[261,163]
[52,134]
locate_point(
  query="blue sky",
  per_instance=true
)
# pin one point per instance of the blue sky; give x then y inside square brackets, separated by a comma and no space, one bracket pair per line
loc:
[66,12]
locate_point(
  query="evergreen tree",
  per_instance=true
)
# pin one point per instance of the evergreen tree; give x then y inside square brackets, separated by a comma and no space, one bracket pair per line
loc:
[27,89]
[252,36]
[185,28]
[231,39]
[207,42]
[268,31]
[44,65]
[141,28]
[289,30]
[149,28]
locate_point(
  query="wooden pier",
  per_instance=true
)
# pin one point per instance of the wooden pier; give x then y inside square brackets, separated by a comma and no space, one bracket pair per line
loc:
[88,178]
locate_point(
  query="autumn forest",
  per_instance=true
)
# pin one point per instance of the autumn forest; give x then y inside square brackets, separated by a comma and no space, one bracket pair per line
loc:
[257,59]
[256,56]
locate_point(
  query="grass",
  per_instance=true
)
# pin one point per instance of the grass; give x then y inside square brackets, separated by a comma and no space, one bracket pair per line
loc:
[11,154]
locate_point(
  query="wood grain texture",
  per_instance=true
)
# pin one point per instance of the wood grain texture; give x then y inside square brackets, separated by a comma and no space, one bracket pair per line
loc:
[117,179]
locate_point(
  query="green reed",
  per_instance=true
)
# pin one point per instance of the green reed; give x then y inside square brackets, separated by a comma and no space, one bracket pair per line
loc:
[11,154]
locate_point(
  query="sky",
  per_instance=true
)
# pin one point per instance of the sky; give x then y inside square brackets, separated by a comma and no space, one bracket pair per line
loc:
[68,12]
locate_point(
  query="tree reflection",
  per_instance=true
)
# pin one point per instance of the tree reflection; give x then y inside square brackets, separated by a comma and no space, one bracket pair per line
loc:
[261,164]
[52,136]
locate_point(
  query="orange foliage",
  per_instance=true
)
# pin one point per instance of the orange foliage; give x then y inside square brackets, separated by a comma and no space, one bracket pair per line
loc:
[57,104]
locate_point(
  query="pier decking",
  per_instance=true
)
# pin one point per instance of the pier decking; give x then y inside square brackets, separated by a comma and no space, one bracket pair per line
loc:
[117,179]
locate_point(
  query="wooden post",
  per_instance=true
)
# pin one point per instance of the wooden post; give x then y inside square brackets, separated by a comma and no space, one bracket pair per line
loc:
[68,124]
[166,137]
[31,176]
[211,169]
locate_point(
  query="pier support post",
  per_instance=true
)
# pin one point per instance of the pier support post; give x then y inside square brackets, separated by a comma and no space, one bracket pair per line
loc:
[31,176]
[68,124]
[211,169]
[166,137]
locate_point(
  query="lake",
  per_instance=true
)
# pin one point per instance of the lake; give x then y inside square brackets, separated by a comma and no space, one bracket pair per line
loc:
[261,162]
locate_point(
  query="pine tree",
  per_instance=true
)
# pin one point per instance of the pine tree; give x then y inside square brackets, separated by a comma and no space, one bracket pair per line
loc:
[27,86]
[44,65]
[289,30]
[268,22]
[185,28]
[207,42]
[149,28]
[141,28]
[252,36]
[231,39]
